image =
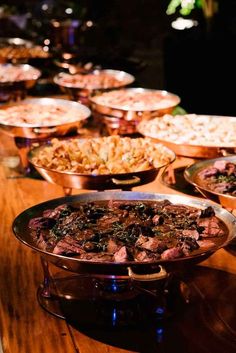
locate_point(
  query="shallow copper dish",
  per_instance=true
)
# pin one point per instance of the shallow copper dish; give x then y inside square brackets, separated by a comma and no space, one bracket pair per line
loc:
[41,131]
[82,94]
[96,182]
[125,120]
[15,90]
[192,150]
[22,232]
[191,172]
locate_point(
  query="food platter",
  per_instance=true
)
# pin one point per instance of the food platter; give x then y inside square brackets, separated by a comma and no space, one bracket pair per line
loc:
[122,110]
[72,115]
[191,174]
[94,179]
[19,49]
[81,85]
[22,232]
[16,80]
[191,135]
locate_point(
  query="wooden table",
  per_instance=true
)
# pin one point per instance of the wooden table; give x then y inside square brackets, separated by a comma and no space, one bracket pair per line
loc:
[207,325]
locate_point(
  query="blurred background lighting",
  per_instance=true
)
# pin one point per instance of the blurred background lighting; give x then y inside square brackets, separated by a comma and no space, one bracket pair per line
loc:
[182,23]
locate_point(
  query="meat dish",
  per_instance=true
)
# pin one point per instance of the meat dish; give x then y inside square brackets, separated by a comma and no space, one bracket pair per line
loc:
[220,177]
[121,231]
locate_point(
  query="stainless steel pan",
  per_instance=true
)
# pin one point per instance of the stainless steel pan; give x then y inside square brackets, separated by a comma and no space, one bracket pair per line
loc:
[22,233]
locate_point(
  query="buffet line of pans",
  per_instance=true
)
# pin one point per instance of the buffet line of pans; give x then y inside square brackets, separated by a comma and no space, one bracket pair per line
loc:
[124,111]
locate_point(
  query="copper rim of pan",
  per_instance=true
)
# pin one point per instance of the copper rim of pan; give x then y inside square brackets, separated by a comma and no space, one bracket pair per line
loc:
[41,131]
[21,231]
[134,114]
[98,181]
[127,79]
[191,150]
[27,82]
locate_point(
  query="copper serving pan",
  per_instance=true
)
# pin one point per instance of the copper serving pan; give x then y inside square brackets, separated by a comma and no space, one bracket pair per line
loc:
[96,182]
[39,131]
[15,90]
[21,231]
[190,150]
[82,94]
[19,50]
[191,172]
[126,120]
[195,151]
[27,83]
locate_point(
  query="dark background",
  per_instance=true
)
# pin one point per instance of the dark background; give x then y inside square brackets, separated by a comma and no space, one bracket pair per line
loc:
[198,64]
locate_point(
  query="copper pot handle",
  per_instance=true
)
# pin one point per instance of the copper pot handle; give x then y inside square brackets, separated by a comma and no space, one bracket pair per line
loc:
[134,180]
[44,130]
[224,152]
[149,276]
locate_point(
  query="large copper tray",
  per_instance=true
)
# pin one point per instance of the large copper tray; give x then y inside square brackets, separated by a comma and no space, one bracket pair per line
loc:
[39,131]
[26,83]
[97,182]
[192,150]
[16,90]
[82,94]
[122,120]
[191,172]
[21,231]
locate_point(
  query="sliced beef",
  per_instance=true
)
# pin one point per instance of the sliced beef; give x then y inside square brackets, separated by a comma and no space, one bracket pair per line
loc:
[191,233]
[101,257]
[127,231]
[145,256]
[68,245]
[208,172]
[151,244]
[220,165]
[56,213]
[113,246]
[121,255]
[206,244]
[107,221]
[223,187]
[211,227]
[172,253]
[41,223]
[188,244]
[231,169]
[158,219]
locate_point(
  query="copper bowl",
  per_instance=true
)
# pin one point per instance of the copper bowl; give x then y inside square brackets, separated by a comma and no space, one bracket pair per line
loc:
[79,93]
[22,232]
[123,120]
[191,175]
[188,149]
[99,181]
[40,131]
[18,89]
